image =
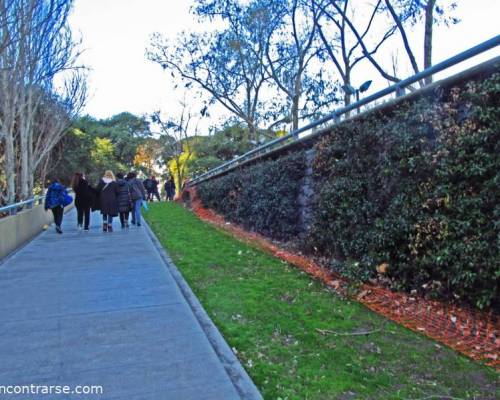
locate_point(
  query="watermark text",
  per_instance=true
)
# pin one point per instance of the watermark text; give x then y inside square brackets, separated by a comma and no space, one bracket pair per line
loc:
[51,389]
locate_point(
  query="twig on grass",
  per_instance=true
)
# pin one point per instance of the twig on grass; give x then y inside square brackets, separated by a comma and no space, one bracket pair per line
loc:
[440,397]
[325,332]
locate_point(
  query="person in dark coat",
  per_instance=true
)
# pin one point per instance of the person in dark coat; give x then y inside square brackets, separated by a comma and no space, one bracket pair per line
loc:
[83,200]
[170,188]
[138,194]
[148,186]
[154,189]
[107,190]
[185,193]
[56,199]
[124,199]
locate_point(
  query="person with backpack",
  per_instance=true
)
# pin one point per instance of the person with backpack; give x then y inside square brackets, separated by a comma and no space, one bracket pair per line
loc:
[83,200]
[124,199]
[56,199]
[138,194]
[107,190]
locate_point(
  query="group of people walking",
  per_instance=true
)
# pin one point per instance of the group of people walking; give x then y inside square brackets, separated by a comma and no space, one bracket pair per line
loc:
[118,196]
[114,196]
[151,186]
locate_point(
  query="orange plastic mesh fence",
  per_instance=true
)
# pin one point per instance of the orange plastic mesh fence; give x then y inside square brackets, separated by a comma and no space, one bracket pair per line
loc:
[468,331]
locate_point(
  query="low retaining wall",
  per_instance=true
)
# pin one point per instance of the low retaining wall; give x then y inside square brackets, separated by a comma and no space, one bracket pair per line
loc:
[20,228]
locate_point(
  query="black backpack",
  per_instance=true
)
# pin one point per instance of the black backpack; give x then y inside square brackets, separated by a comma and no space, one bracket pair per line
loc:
[135,193]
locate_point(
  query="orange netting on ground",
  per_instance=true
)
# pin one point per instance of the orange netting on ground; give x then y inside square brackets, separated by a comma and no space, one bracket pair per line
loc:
[469,331]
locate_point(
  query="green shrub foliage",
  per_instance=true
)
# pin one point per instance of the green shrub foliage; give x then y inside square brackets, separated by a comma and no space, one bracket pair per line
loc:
[418,189]
[262,197]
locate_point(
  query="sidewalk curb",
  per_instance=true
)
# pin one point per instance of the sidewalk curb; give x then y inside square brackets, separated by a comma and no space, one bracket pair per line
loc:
[237,374]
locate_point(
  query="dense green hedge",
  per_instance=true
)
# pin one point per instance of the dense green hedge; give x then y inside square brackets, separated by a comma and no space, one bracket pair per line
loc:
[419,190]
[262,197]
[416,188]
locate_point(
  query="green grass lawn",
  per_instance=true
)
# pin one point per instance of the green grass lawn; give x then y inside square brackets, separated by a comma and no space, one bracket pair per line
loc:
[269,312]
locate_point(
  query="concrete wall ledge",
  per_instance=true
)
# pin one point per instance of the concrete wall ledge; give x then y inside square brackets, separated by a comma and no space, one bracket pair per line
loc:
[16,230]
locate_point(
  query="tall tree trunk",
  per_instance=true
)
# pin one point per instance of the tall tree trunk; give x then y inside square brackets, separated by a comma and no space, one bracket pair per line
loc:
[31,164]
[429,22]
[43,172]
[179,174]
[296,98]
[24,145]
[347,82]
[24,169]
[10,167]
[295,112]
[252,132]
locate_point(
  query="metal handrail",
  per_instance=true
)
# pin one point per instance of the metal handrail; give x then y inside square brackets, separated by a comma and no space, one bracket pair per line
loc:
[397,88]
[12,209]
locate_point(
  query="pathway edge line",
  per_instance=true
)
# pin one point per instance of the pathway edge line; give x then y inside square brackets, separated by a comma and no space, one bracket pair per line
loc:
[237,374]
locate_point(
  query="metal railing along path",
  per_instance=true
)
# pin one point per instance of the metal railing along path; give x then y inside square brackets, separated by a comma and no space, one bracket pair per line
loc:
[398,88]
[12,209]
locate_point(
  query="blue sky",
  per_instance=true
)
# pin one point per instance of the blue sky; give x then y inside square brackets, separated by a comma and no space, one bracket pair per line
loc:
[115,34]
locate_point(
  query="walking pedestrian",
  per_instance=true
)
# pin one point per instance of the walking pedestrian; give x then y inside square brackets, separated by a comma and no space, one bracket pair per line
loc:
[124,199]
[154,189]
[138,194]
[148,186]
[185,194]
[107,190]
[165,188]
[170,188]
[83,200]
[56,199]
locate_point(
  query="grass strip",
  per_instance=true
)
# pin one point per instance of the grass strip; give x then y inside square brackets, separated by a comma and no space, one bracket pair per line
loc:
[298,339]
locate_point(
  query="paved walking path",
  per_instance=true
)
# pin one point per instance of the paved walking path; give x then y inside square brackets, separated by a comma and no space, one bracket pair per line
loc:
[104,309]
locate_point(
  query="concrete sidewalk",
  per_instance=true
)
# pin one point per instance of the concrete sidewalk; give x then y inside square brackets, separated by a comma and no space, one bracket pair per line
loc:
[104,309]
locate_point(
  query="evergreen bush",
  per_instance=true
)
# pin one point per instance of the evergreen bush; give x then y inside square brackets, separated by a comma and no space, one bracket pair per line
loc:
[262,197]
[417,189]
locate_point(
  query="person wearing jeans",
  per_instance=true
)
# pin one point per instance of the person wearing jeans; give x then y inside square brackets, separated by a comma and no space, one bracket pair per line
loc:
[138,194]
[137,212]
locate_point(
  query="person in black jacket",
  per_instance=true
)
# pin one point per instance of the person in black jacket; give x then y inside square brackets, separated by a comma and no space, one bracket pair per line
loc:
[107,190]
[83,200]
[148,186]
[154,189]
[124,199]
[170,188]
